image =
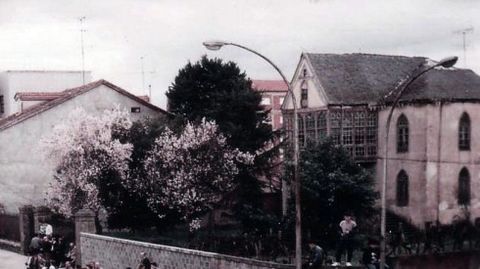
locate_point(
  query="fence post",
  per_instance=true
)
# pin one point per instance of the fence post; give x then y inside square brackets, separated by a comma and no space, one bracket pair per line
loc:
[26,226]
[84,223]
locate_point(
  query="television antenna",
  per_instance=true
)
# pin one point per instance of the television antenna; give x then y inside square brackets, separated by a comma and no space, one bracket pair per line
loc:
[82,30]
[464,33]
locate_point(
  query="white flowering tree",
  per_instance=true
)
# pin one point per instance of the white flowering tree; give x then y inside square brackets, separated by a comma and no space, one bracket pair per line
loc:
[83,150]
[188,172]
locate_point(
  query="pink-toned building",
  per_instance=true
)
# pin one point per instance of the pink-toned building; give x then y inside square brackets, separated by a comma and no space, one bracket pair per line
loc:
[434,150]
[273,93]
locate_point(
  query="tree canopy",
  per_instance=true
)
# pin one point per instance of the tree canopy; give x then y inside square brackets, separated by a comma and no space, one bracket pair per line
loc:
[220,91]
[332,185]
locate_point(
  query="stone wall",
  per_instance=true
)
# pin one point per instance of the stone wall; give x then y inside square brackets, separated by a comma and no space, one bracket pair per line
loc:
[114,253]
[458,260]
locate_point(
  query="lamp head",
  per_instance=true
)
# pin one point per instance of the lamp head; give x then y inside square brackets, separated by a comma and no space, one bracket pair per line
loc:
[448,62]
[214,45]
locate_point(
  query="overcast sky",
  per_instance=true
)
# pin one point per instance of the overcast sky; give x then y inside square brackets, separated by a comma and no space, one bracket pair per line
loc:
[45,35]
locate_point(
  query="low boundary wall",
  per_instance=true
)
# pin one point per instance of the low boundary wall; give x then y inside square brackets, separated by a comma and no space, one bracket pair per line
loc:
[114,253]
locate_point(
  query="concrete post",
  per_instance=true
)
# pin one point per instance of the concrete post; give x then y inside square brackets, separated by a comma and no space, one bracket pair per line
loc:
[84,223]
[26,224]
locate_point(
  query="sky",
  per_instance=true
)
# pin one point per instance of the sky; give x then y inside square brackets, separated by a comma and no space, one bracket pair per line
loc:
[45,35]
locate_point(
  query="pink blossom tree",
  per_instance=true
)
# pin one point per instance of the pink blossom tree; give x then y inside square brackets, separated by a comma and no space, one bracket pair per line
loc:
[188,172]
[82,149]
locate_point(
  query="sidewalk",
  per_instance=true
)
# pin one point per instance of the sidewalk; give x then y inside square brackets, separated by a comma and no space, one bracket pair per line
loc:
[11,260]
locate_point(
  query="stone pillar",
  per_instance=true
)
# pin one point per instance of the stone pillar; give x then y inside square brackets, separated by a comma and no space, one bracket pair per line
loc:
[84,223]
[26,224]
[42,214]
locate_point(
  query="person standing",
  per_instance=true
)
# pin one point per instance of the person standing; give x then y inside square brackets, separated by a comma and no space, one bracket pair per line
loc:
[347,226]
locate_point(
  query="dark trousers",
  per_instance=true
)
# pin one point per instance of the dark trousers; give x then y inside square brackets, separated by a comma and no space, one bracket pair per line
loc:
[345,244]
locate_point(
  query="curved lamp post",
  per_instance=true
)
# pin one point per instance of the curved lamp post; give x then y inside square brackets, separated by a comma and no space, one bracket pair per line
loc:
[447,62]
[216,45]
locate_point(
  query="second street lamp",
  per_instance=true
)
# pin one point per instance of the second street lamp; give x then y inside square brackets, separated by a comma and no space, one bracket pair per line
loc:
[216,45]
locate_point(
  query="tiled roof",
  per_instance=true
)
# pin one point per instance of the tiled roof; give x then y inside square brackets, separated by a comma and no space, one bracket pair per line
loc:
[269,85]
[444,85]
[37,96]
[67,95]
[370,78]
[360,78]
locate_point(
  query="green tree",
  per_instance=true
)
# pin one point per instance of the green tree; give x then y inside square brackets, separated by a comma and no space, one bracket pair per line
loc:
[332,185]
[219,91]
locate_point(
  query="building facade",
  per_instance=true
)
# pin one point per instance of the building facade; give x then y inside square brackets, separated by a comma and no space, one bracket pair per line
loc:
[433,163]
[273,94]
[24,172]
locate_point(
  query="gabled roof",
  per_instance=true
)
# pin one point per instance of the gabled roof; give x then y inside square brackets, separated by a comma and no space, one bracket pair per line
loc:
[354,79]
[444,85]
[269,85]
[360,78]
[67,95]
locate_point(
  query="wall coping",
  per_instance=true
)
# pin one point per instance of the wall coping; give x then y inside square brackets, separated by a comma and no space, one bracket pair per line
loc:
[190,251]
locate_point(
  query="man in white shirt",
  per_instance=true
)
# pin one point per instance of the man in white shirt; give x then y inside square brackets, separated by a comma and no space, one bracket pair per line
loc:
[347,225]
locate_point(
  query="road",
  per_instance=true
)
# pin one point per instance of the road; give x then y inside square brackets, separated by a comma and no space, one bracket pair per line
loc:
[11,260]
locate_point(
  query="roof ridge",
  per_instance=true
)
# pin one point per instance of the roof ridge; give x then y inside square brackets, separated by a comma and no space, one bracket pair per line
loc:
[18,117]
[367,54]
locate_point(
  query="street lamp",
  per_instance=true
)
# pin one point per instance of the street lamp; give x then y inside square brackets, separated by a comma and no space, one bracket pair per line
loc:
[447,62]
[216,45]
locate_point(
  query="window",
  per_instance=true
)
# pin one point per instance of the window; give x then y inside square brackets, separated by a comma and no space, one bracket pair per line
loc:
[301,131]
[402,189]
[402,134]
[135,109]
[304,95]
[464,132]
[335,126]
[2,105]
[321,125]
[265,101]
[464,187]
[310,123]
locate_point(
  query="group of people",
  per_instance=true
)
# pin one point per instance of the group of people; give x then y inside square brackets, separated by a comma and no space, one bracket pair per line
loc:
[370,258]
[50,251]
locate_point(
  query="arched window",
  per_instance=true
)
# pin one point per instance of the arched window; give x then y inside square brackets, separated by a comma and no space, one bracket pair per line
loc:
[402,188]
[304,94]
[402,134]
[464,187]
[464,132]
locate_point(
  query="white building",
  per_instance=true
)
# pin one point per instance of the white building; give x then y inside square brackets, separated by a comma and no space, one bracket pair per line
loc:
[24,175]
[12,82]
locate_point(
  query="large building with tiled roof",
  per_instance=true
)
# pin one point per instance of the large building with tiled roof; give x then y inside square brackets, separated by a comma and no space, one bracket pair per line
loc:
[433,163]
[24,174]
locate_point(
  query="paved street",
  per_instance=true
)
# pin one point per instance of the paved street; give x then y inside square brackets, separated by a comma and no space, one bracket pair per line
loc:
[11,260]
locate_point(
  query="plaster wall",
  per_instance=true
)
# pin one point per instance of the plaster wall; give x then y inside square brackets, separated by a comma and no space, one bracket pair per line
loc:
[315,98]
[24,172]
[433,161]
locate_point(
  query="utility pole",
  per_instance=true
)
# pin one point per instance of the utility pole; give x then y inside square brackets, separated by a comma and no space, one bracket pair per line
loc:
[464,33]
[143,75]
[82,30]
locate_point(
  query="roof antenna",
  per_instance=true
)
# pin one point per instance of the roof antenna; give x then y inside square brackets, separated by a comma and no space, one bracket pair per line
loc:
[150,91]
[82,30]
[464,32]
